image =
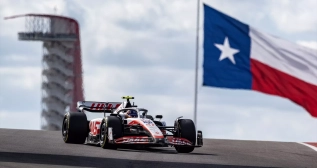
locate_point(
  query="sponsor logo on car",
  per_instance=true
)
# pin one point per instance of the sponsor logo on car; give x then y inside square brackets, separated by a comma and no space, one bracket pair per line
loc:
[145,121]
[148,122]
[133,140]
[94,127]
[137,140]
[102,106]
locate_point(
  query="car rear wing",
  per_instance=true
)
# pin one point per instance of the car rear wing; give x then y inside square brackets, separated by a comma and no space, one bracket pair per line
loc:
[98,107]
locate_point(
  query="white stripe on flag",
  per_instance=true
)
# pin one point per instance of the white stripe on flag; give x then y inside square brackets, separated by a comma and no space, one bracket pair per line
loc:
[290,58]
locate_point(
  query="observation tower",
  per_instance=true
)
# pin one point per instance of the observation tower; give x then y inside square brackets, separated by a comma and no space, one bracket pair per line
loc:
[62,83]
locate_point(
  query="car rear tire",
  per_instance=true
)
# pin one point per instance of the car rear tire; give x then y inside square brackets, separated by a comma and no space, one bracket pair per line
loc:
[185,128]
[116,125]
[74,128]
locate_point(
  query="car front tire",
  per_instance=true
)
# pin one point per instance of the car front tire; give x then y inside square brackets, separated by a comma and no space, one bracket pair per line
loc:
[185,128]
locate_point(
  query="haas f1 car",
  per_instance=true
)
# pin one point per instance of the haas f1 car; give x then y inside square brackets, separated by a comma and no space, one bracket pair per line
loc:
[127,125]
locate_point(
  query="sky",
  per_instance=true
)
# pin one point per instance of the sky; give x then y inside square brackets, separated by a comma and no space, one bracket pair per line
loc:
[146,49]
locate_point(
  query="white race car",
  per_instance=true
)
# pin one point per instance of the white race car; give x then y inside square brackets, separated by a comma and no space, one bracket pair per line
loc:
[127,125]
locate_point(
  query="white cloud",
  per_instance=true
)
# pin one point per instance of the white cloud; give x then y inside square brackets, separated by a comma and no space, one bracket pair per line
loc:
[118,25]
[294,16]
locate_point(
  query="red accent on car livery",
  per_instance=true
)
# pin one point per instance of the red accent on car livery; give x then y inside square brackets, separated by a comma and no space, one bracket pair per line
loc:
[109,106]
[134,122]
[98,105]
[102,106]
[94,126]
[92,106]
[149,126]
[117,106]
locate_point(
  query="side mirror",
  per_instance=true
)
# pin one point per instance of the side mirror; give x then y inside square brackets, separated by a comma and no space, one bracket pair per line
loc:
[159,116]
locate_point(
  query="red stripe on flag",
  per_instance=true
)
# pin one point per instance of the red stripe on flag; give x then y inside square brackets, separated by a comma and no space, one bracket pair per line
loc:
[272,81]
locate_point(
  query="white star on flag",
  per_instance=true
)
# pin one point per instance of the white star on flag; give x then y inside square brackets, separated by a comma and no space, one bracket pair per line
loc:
[226,51]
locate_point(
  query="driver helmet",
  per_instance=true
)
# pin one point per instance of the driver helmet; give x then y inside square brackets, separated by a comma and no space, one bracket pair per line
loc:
[133,113]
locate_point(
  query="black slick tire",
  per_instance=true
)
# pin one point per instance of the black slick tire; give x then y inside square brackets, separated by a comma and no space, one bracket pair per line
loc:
[185,128]
[115,123]
[74,128]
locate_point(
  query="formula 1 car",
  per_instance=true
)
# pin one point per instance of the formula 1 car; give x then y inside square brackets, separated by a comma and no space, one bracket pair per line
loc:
[115,130]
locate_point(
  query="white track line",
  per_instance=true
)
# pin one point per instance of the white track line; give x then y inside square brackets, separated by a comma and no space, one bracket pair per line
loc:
[310,146]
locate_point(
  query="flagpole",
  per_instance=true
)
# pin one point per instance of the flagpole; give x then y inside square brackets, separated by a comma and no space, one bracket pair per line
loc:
[196,68]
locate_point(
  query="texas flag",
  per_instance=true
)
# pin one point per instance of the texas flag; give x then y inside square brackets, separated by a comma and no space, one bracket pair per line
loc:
[238,56]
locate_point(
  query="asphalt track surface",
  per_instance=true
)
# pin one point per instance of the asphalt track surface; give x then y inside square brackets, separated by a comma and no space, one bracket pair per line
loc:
[30,148]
